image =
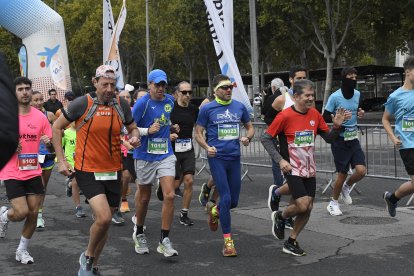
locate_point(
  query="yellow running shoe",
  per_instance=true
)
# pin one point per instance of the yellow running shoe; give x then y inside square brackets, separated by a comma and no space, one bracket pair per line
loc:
[228,248]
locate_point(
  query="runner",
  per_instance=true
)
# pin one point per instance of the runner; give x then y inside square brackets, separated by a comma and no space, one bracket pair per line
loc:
[154,160]
[185,115]
[22,175]
[298,124]
[400,104]
[221,119]
[346,149]
[98,156]
[46,158]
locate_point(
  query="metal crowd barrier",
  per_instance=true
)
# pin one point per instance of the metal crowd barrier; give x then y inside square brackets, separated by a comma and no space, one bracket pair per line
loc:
[381,156]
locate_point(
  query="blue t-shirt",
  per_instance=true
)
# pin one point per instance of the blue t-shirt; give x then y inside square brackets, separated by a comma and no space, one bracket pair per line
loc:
[336,100]
[42,147]
[400,104]
[222,124]
[157,146]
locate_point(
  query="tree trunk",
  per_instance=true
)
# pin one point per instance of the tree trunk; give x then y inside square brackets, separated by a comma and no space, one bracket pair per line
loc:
[262,76]
[209,77]
[329,77]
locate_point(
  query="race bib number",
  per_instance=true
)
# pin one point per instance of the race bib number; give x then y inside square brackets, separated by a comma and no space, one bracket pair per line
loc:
[183,145]
[28,162]
[157,146]
[228,131]
[351,133]
[106,176]
[303,139]
[41,158]
[408,123]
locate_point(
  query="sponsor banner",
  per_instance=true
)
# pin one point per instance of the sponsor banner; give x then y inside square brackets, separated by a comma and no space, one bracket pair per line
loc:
[23,61]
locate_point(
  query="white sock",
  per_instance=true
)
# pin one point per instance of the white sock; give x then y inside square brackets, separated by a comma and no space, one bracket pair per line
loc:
[23,244]
[334,201]
[4,216]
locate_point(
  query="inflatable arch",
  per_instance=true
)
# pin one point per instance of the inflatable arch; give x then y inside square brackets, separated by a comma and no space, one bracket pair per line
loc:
[42,32]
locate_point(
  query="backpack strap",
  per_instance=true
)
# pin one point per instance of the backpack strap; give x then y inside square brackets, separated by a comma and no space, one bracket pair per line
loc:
[116,103]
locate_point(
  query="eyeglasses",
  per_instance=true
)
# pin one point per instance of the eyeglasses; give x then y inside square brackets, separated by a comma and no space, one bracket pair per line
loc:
[226,87]
[185,92]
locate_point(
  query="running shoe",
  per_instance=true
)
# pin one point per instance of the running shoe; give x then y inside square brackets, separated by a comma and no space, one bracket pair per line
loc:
[333,208]
[228,249]
[3,223]
[278,225]
[204,195]
[289,223]
[140,243]
[345,194]
[95,271]
[185,220]
[273,200]
[68,187]
[213,217]
[160,195]
[85,266]
[24,257]
[391,207]
[166,248]
[293,249]
[40,223]
[79,212]
[178,192]
[117,218]
[124,207]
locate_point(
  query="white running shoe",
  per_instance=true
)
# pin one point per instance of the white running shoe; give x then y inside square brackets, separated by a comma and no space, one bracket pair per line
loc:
[3,223]
[140,243]
[333,209]
[166,248]
[24,257]
[40,223]
[345,197]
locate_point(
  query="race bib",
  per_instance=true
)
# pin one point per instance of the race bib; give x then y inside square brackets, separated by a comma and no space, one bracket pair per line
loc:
[157,146]
[183,145]
[351,133]
[303,139]
[408,123]
[41,158]
[28,162]
[228,131]
[106,176]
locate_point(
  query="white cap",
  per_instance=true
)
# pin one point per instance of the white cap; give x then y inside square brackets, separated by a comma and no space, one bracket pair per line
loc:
[129,88]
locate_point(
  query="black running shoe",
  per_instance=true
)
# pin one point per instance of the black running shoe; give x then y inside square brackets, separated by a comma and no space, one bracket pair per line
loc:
[293,249]
[278,227]
[289,223]
[185,220]
[160,195]
[178,192]
[273,200]
[391,207]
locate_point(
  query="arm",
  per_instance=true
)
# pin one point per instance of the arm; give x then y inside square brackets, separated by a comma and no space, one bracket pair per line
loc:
[201,140]
[388,128]
[249,134]
[334,132]
[58,127]
[134,137]
[327,116]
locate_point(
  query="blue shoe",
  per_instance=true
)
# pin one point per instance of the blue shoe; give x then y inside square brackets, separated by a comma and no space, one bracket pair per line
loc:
[391,207]
[85,266]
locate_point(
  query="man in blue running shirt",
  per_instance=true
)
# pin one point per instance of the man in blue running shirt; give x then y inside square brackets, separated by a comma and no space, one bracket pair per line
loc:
[221,119]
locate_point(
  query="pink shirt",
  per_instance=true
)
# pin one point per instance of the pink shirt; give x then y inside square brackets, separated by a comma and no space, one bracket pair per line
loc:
[25,165]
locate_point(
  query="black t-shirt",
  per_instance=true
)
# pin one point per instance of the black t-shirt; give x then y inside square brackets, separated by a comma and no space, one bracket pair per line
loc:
[52,106]
[185,117]
[267,110]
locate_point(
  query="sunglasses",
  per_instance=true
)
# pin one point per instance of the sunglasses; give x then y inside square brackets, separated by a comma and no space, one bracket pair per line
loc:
[185,92]
[226,87]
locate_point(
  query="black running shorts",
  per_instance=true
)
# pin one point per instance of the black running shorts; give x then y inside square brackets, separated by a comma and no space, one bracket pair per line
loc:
[128,164]
[185,163]
[407,156]
[347,153]
[300,186]
[18,188]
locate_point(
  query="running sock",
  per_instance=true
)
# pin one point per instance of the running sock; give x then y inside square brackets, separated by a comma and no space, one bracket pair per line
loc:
[393,198]
[140,229]
[212,200]
[334,200]
[23,244]
[164,234]
[184,212]
[277,192]
[4,216]
[291,241]
[227,237]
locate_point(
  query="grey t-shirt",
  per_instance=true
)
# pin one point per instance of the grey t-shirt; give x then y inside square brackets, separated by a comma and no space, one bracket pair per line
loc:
[78,107]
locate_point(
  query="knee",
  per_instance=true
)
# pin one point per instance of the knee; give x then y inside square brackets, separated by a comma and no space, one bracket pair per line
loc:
[304,206]
[21,214]
[103,219]
[361,170]
[234,204]
[225,202]
[169,196]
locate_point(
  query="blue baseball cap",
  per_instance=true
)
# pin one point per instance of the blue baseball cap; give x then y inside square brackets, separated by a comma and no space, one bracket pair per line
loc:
[157,76]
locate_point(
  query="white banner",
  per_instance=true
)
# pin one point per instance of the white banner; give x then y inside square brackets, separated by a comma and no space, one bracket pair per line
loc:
[222,38]
[111,38]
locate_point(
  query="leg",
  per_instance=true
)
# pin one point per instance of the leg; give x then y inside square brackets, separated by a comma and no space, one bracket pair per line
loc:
[101,244]
[33,203]
[18,210]
[75,192]
[126,178]
[360,172]
[188,190]
[339,182]
[167,184]
[142,198]
[405,189]
[302,210]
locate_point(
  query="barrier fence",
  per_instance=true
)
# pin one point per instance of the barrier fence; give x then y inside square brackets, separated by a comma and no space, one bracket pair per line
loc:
[381,157]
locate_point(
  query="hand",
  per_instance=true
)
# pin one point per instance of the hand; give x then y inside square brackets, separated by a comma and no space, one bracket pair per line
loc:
[175,128]
[360,113]
[285,166]
[245,141]
[65,168]
[154,128]
[340,116]
[173,136]
[134,141]
[45,140]
[211,151]
[397,141]
[19,147]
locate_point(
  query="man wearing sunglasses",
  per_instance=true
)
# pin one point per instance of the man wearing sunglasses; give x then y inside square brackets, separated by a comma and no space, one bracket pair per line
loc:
[221,119]
[185,115]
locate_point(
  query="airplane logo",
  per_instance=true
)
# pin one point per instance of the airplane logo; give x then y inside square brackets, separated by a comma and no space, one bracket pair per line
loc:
[49,53]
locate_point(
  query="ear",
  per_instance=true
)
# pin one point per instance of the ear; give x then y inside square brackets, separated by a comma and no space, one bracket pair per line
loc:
[95,82]
[291,80]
